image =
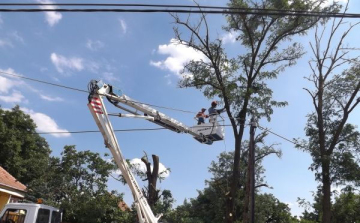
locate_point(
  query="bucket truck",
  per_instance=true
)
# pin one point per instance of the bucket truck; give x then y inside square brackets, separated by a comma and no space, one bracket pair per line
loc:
[204,133]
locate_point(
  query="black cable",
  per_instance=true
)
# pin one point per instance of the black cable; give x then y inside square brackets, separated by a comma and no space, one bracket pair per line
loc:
[241,12]
[96,131]
[114,5]
[282,137]
[118,130]
[84,91]
[43,82]
[244,10]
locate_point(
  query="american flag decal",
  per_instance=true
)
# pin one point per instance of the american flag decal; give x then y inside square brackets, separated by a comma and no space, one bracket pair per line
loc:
[96,104]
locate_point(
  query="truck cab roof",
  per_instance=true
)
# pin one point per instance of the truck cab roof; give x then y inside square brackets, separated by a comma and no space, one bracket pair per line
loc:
[31,205]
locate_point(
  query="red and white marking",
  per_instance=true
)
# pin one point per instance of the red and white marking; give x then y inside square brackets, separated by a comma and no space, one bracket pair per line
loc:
[97,106]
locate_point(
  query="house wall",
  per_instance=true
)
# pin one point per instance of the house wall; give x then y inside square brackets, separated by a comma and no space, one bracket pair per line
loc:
[4,198]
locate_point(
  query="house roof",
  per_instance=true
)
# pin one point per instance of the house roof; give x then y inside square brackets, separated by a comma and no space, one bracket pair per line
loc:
[6,179]
[123,206]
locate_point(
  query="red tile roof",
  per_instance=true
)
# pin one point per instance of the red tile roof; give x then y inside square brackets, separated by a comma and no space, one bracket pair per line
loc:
[8,180]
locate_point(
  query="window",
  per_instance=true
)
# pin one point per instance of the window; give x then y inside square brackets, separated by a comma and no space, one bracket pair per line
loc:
[56,217]
[43,216]
[13,216]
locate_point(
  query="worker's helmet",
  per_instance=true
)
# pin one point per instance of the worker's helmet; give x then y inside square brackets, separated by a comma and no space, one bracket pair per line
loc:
[203,109]
[214,103]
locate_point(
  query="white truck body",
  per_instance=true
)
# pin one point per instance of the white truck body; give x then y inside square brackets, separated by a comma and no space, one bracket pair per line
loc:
[30,213]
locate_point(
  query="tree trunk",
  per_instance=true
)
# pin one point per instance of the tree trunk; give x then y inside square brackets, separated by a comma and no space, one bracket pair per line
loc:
[230,210]
[326,189]
[152,179]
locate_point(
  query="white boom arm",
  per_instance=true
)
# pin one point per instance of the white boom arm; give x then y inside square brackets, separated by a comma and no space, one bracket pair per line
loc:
[98,110]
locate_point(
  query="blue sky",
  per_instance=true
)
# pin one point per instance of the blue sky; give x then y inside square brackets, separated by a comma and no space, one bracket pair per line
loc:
[135,53]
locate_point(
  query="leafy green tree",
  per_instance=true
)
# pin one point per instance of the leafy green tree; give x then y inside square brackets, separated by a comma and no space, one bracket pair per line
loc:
[77,183]
[333,142]
[23,153]
[207,207]
[269,209]
[164,204]
[346,208]
[312,212]
[268,48]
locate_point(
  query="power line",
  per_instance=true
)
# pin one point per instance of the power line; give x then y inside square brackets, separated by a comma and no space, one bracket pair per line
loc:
[154,6]
[240,12]
[156,129]
[97,131]
[43,82]
[85,91]
[199,9]
[118,130]
[116,5]
[280,136]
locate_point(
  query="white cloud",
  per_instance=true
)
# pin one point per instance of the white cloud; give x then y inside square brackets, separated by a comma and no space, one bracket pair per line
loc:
[140,165]
[63,63]
[178,56]
[229,37]
[94,45]
[15,35]
[5,43]
[163,171]
[6,83]
[52,18]
[123,25]
[110,77]
[45,123]
[15,97]
[48,98]
[9,82]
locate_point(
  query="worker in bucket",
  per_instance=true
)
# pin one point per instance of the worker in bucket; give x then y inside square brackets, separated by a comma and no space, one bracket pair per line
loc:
[213,112]
[201,116]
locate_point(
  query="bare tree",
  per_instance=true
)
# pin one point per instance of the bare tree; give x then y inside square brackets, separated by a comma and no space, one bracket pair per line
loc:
[151,192]
[335,96]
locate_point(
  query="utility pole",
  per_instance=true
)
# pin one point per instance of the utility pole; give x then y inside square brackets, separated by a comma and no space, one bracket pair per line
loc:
[252,169]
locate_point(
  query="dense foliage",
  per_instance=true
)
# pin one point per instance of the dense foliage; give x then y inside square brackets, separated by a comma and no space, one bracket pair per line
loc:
[77,183]
[23,153]
[207,207]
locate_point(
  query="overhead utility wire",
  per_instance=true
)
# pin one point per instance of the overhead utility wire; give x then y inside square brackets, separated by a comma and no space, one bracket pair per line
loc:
[149,6]
[85,91]
[252,11]
[43,82]
[96,131]
[118,130]
[116,5]
[280,136]
[155,129]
